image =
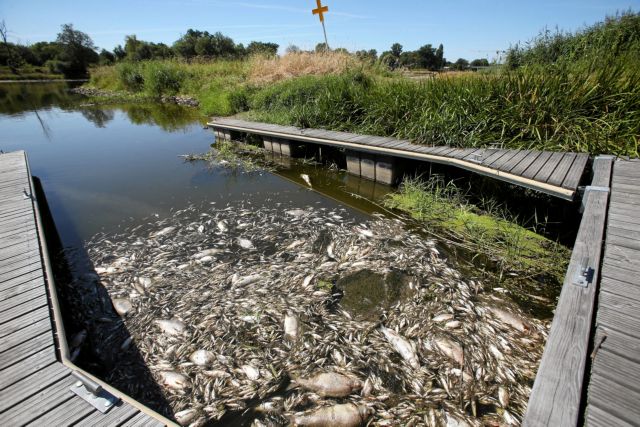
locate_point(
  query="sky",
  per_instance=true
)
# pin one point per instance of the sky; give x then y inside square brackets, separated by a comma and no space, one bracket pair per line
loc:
[467,28]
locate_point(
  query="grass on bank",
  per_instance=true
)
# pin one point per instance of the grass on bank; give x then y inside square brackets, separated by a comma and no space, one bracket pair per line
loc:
[29,72]
[518,253]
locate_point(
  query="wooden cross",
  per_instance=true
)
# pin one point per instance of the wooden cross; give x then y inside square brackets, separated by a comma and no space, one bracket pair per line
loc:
[321,10]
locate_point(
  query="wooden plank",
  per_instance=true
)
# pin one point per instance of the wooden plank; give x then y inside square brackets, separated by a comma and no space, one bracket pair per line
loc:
[32,275]
[572,180]
[23,287]
[600,417]
[18,263]
[557,392]
[618,368]
[21,309]
[623,305]
[25,334]
[549,167]
[27,367]
[618,343]
[514,161]
[495,156]
[535,167]
[18,392]
[26,319]
[142,420]
[559,174]
[119,414]
[19,272]
[44,401]
[25,349]
[616,400]
[22,298]
[12,260]
[624,241]
[71,412]
[525,163]
[610,318]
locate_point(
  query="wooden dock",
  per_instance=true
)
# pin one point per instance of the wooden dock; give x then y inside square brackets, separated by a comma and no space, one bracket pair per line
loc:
[590,370]
[554,173]
[36,378]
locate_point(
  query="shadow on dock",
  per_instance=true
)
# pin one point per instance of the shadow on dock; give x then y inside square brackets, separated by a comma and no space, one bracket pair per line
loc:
[98,339]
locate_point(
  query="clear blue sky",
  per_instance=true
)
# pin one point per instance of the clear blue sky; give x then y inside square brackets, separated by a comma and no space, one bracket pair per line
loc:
[467,28]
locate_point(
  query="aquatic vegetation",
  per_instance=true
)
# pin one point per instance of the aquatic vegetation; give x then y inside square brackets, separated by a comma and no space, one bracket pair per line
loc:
[234,155]
[233,313]
[524,258]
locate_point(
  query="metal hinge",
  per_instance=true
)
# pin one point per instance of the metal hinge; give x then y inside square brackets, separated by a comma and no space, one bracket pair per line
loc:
[93,393]
[583,275]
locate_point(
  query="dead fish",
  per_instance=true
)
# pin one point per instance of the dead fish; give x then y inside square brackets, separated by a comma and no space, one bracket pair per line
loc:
[291,326]
[251,372]
[454,324]
[245,244]
[295,213]
[443,317]
[185,417]
[344,415]
[122,306]
[503,396]
[306,179]
[175,380]
[450,348]
[207,252]
[364,232]
[367,388]
[125,345]
[164,232]
[172,326]
[222,226]
[78,339]
[275,406]
[402,346]
[201,229]
[508,318]
[330,248]
[330,384]
[244,281]
[202,357]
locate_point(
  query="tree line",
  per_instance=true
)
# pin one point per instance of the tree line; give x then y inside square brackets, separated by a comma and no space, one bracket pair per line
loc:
[73,52]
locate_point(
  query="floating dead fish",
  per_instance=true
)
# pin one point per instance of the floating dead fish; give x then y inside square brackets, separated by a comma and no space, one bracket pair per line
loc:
[122,306]
[454,324]
[186,417]
[330,384]
[145,281]
[245,243]
[291,326]
[175,380]
[222,226]
[344,415]
[126,344]
[208,253]
[296,213]
[503,396]
[78,339]
[275,406]
[202,357]
[172,327]
[251,372]
[306,179]
[244,281]
[402,346]
[443,317]
[508,318]
[164,232]
[450,348]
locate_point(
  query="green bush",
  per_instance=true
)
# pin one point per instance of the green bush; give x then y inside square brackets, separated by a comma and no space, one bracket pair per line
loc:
[130,76]
[163,78]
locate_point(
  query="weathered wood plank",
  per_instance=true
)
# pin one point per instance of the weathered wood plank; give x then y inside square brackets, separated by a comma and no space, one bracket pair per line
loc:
[514,161]
[599,417]
[22,298]
[624,305]
[557,392]
[29,386]
[25,349]
[119,414]
[525,163]
[27,367]
[22,321]
[616,400]
[32,275]
[23,287]
[572,180]
[618,343]
[67,414]
[25,334]
[558,175]
[551,164]
[23,308]
[142,420]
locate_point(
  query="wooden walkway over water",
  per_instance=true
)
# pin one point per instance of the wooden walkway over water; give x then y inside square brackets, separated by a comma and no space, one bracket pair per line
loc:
[35,373]
[554,173]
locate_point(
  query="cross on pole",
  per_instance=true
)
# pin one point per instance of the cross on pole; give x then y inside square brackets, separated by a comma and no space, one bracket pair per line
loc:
[321,10]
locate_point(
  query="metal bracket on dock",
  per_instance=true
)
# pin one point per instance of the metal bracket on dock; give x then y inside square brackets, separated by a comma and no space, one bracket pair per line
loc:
[584,274]
[93,393]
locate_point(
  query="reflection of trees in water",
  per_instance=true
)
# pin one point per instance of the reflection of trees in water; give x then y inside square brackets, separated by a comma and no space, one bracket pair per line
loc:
[169,117]
[97,116]
[21,98]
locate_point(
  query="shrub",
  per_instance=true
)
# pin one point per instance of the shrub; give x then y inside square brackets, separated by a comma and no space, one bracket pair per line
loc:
[130,76]
[163,78]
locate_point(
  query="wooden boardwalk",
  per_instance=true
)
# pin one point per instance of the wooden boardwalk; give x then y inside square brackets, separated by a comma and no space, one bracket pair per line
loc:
[35,373]
[590,370]
[554,173]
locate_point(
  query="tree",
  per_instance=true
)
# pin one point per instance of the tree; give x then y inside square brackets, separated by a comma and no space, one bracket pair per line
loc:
[78,50]
[261,48]
[396,50]
[391,58]
[292,48]
[440,57]
[480,62]
[106,57]
[12,60]
[119,53]
[367,55]
[321,47]
[201,43]
[461,64]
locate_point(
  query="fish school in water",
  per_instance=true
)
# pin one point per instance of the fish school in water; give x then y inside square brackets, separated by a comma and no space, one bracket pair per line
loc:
[303,315]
